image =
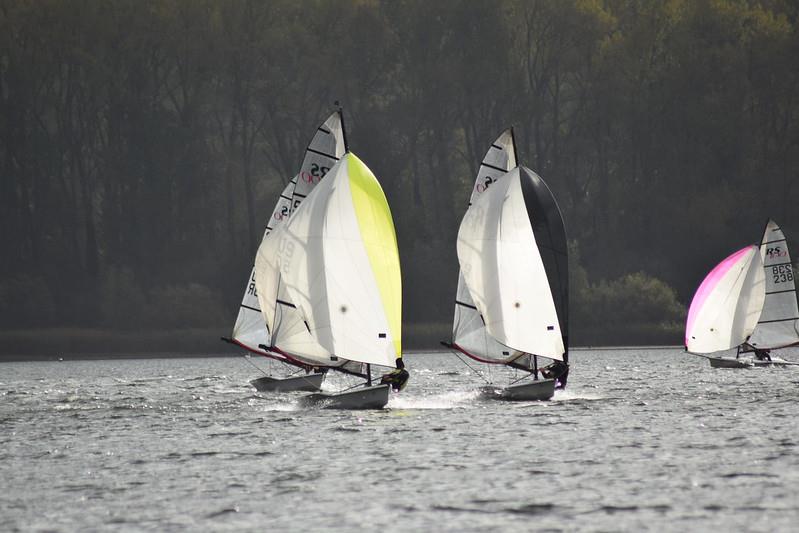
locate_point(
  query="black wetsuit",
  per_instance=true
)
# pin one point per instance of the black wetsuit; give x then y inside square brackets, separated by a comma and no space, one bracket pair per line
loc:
[559,371]
[762,355]
[396,378]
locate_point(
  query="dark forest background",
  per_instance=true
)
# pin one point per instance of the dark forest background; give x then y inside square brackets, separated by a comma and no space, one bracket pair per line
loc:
[143,144]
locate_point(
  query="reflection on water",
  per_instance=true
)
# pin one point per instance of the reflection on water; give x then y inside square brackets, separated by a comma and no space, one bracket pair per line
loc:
[642,439]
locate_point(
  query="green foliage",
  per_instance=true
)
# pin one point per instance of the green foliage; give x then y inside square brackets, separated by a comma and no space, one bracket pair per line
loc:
[633,299]
[143,143]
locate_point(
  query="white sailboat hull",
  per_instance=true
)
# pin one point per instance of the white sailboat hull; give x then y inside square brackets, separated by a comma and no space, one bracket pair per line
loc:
[542,389]
[748,362]
[305,383]
[375,397]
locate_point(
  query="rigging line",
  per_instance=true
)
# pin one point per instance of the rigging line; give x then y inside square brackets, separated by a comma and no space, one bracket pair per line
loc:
[248,359]
[519,379]
[350,388]
[458,355]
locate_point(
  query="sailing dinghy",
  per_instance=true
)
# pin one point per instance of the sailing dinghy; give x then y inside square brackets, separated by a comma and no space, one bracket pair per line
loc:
[512,300]
[752,295]
[336,261]
[250,331]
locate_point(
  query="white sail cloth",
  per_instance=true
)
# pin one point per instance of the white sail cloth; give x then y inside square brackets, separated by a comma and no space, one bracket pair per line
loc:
[289,333]
[468,331]
[250,330]
[728,303]
[778,322]
[504,271]
[339,261]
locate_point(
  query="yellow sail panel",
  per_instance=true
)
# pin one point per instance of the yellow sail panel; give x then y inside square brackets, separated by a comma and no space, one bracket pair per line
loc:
[380,241]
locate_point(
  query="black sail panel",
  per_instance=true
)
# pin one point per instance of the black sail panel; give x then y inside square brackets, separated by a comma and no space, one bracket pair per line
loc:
[550,236]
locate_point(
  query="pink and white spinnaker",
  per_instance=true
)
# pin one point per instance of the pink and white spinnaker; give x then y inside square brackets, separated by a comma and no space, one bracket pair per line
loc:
[728,303]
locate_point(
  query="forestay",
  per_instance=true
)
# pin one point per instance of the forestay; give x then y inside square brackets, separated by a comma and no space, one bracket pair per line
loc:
[338,258]
[728,303]
[777,326]
[250,330]
[504,269]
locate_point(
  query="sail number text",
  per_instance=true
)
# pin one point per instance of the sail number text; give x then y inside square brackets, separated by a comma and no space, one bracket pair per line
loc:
[316,174]
[485,184]
[782,273]
[283,213]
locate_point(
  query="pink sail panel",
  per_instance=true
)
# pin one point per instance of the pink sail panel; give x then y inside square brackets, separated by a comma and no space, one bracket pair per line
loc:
[710,282]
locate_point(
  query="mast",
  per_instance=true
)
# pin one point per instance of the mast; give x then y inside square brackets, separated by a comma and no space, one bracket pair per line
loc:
[343,127]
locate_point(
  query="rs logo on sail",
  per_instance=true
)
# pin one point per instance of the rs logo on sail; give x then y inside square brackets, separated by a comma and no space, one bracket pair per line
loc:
[776,251]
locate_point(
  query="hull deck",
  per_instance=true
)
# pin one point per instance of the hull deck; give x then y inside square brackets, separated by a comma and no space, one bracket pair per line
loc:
[748,362]
[305,383]
[542,389]
[375,397]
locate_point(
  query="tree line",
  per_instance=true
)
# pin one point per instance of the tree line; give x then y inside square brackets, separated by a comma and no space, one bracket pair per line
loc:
[144,143]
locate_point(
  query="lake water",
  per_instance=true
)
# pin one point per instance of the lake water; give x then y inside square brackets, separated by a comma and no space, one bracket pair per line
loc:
[642,440]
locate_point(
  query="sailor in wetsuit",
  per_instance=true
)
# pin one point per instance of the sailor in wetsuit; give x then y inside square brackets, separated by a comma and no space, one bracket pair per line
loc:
[762,355]
[559,371]
[396,378]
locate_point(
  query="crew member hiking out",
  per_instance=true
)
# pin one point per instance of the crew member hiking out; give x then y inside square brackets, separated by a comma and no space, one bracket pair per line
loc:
[559,371]
[396,378]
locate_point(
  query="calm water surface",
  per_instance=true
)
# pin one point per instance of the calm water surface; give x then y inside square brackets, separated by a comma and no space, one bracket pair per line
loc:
[641,440]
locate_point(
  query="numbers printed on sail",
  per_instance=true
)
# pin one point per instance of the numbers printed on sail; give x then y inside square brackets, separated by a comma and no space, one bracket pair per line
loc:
[284,212]
[481,187]
[782,273]
[285,250]
[319,171]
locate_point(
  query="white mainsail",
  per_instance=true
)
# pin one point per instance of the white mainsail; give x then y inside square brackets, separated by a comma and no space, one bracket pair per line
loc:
[250,331]
[338,259]
[468,331]
[727,305]
[778,322]
[504,270]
